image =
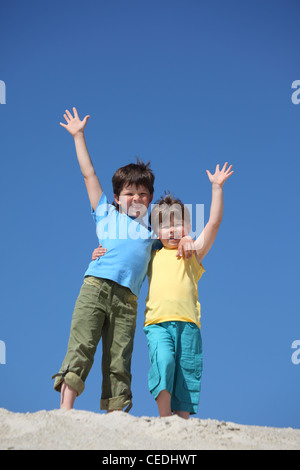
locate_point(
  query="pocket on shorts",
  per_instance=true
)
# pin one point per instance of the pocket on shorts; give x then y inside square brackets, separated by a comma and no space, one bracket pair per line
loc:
[192,372]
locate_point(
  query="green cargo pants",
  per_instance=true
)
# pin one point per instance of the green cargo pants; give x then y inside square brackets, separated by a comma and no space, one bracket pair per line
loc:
[103,309]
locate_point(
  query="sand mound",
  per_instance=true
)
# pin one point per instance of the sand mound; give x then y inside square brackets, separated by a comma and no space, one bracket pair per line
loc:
[75,429]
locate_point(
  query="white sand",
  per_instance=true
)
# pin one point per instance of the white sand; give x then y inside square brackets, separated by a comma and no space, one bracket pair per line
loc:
[75,429]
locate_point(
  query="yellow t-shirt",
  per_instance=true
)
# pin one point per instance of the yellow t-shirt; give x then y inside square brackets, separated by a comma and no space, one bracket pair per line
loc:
[173,288]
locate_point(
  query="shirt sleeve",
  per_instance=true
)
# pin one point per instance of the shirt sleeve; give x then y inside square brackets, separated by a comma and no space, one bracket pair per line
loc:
[102,209]
[201,270]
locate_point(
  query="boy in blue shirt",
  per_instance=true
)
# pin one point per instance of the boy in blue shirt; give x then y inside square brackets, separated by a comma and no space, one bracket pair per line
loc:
[107,304]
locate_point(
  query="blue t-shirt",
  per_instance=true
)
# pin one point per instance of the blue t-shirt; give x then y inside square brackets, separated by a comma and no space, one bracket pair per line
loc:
[129,245]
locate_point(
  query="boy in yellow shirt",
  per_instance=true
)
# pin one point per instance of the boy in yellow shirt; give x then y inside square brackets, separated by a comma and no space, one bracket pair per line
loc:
[172,316]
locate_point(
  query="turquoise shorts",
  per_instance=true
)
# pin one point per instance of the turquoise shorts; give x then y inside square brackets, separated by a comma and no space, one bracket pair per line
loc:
[175,350]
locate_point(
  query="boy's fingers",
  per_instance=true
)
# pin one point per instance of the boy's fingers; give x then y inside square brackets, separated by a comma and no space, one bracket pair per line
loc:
[69,114]
[225,165]
[75,112]
[179,251]
[100,252]
[63,125]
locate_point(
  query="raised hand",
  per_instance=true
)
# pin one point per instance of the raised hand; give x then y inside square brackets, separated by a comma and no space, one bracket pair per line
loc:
[74,124]
[219,177]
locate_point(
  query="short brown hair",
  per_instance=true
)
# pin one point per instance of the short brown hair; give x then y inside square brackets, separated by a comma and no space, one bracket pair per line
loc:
[167,206]
[138,173]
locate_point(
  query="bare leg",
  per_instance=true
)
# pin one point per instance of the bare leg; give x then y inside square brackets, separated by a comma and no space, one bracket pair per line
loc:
[68,395]
[182,414]
[164,403]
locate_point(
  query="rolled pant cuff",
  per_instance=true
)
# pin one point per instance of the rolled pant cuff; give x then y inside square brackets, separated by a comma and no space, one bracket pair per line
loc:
[116,403]
[72,380]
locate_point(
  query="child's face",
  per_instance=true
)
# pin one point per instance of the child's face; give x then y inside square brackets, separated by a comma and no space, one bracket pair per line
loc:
[134,200]
[171,232]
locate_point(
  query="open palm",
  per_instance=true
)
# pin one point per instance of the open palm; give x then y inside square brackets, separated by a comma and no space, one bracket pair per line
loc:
[219,177]
[74,124]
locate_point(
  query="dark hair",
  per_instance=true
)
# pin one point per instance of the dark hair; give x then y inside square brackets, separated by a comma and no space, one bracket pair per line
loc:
[167,206]
[138,173]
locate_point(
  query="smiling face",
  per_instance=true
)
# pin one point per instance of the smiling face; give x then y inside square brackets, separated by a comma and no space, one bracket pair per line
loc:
[134,200]
[172,230]
[171,221]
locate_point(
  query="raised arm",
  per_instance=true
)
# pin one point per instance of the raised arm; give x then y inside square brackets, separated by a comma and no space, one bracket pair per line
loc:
[76,128]
[205,241]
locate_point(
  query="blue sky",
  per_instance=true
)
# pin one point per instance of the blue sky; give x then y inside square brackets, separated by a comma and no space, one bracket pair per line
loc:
[186,85]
